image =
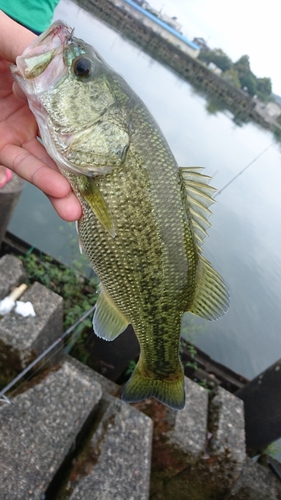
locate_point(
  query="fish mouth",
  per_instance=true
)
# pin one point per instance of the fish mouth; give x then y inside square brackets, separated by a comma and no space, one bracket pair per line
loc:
[42,63]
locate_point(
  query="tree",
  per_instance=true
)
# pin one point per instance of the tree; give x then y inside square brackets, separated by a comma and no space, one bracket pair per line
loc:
[249,81]
[264,88]
[231,76]
[218,57]
[243,65]
[247,78]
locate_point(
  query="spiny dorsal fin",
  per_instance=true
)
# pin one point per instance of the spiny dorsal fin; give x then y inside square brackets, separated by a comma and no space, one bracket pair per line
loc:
[108,321]
[89,189]
[211,298]
[198,199]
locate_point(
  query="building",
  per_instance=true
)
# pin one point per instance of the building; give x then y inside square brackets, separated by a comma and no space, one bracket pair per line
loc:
[171,21]
[269,111]
[213,67]
[273,109]
[158,26]
[202,44]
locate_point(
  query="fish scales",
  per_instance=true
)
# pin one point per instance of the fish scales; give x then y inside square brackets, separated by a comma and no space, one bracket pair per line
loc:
[145,233]
[144,218]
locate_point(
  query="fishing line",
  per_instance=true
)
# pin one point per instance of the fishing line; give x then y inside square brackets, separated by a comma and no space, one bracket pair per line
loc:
[242,171]
[49,349]
[58,342]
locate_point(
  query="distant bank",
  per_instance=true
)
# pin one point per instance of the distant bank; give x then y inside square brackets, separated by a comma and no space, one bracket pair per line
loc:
[121,15]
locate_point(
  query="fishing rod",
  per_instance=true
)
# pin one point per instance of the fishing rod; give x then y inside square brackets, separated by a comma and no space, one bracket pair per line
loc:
[242,171]
[4,398]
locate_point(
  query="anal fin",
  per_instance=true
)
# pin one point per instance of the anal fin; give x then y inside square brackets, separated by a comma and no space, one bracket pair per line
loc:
[108,321]
[211,298]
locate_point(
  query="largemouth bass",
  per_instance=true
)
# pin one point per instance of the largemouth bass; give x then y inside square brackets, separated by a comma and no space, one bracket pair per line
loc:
[144,218]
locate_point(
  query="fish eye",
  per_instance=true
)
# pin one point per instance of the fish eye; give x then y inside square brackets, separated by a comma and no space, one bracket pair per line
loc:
[82,67]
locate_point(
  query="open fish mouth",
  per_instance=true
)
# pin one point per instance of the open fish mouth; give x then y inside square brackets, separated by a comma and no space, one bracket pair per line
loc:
[42,64]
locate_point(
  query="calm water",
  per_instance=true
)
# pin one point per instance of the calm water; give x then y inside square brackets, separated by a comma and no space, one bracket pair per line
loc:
[244,242]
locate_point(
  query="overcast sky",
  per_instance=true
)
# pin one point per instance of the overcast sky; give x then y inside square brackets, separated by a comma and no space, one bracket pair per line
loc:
[238,27]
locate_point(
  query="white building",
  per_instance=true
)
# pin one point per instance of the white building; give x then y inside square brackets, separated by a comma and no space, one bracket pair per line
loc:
[158,26]
[273,109]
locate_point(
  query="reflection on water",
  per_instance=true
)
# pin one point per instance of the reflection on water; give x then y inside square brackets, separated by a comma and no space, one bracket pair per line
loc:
[245,239]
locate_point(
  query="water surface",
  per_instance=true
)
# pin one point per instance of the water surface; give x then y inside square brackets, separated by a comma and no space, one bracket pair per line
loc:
[244,242]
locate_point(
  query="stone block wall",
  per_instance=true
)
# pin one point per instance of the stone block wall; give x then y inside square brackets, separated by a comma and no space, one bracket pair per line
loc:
[66,433]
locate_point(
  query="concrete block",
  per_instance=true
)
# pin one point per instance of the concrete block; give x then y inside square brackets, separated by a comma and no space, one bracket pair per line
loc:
[189,430]
[22,339]
[11,274]
[9,196]
[226,424]
[122,446]
[214,474]
[108,387]
[39,429]
[256,483]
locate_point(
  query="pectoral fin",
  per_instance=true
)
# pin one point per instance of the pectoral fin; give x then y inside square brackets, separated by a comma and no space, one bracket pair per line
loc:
[211,298]
[108,321]
[89,189]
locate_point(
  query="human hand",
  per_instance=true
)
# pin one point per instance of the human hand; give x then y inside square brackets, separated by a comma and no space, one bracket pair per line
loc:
[19,148]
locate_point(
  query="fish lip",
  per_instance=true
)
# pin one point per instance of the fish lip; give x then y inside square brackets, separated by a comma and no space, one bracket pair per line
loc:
[42,63]
[58,29]
[57,34]
[52,42]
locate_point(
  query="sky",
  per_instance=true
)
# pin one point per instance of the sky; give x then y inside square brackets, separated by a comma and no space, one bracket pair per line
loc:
[237,27]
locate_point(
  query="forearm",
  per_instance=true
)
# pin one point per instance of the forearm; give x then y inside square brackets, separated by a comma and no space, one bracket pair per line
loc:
[14,38]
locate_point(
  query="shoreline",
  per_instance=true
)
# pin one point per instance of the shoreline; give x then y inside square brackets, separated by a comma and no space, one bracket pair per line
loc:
[192,70]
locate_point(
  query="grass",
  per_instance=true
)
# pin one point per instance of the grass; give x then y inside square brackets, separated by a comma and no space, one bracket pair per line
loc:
[78,292]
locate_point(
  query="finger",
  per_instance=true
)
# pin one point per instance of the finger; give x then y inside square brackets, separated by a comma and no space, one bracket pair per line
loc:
[18,91]
[67,208]
[36,148]
[14,38]
[35,171]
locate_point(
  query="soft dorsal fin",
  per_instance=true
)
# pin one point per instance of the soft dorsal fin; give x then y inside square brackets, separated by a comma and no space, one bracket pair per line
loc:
[198,199]
[211,298]
[108,321]
[89,189]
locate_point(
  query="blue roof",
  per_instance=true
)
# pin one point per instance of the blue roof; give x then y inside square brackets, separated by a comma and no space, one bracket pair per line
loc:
[163,24]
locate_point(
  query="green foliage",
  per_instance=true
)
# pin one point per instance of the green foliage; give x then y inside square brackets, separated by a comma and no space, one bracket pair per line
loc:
[232,77]
[77,342]
[255,86]
[131,366]
[79,294]
[191,327]
[264,88]
[273,449]
[218,57]
[247,78]
[214,105]
[192,351]
[242,65]
[239,74]
[249,82]
[79,262]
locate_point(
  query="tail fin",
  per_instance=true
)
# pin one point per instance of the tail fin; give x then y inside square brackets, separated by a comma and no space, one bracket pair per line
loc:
[169,392]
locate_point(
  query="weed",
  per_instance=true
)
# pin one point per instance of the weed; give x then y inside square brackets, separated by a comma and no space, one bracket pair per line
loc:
[131,366]
[79,293]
